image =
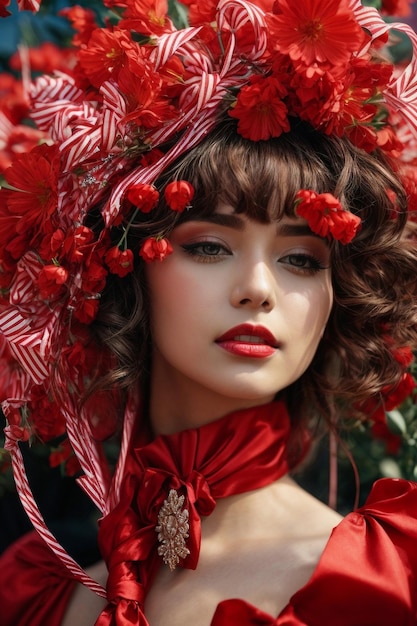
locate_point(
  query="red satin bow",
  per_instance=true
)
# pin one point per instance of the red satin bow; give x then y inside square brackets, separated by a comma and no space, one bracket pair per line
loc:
[238,453]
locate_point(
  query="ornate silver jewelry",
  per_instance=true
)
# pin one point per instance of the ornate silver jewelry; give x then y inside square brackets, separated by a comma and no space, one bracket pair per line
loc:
[172,530]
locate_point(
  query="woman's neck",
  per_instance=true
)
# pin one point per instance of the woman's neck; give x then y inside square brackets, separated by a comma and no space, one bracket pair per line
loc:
[172,409]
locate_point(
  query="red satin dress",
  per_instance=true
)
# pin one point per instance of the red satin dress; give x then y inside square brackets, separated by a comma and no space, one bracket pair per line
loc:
[366,576]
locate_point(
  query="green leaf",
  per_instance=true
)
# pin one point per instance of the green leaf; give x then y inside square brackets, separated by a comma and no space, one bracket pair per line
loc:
[390,468]
[396,422]
[178,13]
[372,3]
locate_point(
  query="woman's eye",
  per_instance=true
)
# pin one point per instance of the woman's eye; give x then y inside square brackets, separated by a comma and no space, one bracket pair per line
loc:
[205,249]
[304,262]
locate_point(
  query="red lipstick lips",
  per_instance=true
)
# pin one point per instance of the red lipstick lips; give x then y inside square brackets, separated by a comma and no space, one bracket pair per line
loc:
[248,340]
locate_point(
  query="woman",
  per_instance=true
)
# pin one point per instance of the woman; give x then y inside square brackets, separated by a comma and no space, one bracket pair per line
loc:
[270,291]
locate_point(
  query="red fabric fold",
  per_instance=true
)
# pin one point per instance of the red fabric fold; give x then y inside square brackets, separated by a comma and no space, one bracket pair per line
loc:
[367,574]
[240,452]
[240,612]
[35,587]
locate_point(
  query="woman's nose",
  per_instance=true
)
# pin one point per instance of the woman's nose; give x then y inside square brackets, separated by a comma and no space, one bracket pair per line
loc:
[255,287]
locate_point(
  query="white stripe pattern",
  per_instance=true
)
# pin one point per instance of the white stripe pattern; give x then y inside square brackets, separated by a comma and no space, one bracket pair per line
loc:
[401,94]
[38,521]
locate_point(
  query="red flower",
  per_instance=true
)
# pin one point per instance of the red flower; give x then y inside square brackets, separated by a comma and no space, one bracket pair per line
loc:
[107,53]
[15,433]
[353,108]
[325,215]
[179,194]
[16,139]
[138,79]
[64,454]
[72,466]
[155,249]
[363,135]
[3,11]
[120,262]
[94,276]
[46,58]
[144,197]
[154,112]
[82,21]
[102,413]
[47,420]
[389,142]
[13,100]
[86,310]
[59,455]
[399,8]
[260,110]
[81,356]
[151,157]
[51,280]
[395,396]
[316,31]
[12,246]
[392,442]
[404,356]
[77,245]
[392,397]
[200,12]
[51,244]
[35,177]
[148,17]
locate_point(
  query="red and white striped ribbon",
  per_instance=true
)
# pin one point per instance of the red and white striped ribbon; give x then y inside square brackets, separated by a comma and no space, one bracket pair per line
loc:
[6,127]
[95,481]
[29,5]
[171,43]
[38,522]
[29,325]
[204,91]
[50,95]
[401,94]
[129,421]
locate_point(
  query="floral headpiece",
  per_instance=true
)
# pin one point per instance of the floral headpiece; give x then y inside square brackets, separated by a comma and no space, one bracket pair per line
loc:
[326,216]
[142,83]
[138,86]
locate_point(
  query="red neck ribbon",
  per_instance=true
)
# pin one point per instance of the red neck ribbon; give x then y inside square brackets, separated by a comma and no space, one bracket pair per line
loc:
[169,485]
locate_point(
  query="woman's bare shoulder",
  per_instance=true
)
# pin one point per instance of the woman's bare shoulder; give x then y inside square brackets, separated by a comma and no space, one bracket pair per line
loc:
[85,606]
[261,546]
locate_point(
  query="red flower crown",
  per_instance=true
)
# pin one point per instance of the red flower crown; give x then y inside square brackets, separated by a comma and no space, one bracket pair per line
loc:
[142,82]
[317,61]
[139,84]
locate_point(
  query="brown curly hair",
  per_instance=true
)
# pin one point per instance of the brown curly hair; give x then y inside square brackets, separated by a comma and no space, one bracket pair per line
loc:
[374,277]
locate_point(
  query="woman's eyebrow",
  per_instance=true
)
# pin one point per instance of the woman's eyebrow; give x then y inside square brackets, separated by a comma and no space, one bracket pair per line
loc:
[296,230]
[232,220]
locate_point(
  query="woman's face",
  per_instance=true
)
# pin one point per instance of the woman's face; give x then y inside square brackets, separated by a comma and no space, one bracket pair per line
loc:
[237,312]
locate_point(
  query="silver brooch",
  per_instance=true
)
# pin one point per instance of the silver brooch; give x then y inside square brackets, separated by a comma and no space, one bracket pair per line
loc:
[172,530]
